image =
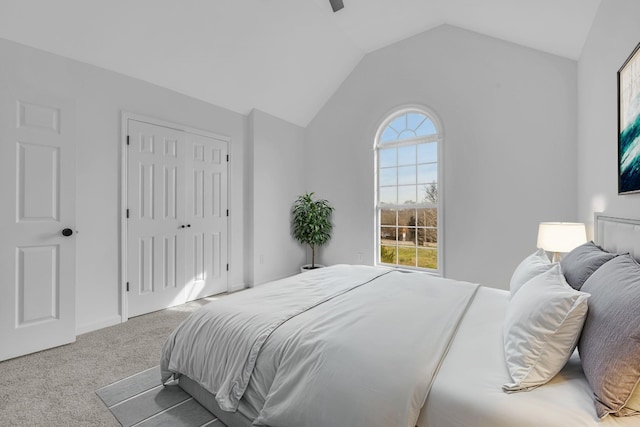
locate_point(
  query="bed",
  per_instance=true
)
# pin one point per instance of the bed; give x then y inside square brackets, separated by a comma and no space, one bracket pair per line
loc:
[371,346]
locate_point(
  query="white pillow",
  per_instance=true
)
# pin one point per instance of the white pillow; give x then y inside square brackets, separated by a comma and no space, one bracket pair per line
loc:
[533,265]
[541,328]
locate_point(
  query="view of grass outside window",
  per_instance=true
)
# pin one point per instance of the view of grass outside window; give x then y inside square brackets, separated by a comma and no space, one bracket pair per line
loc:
[407,196]
[409,237]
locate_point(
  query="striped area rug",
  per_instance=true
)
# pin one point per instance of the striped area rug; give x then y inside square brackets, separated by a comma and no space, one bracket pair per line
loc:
[142,401]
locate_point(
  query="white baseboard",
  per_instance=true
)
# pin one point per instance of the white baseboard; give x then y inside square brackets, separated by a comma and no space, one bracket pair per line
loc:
[236,287]
[94,326]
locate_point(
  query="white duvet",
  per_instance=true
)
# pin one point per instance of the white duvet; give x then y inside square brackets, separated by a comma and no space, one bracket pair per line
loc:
[338,346]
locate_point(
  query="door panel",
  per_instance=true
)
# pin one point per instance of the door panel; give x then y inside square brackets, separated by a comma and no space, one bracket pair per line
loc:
[176,193]
[38,182]
[37,185]
[170,262]
[37,284]
[154,266]
[207,214]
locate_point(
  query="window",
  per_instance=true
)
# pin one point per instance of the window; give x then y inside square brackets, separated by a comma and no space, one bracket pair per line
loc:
[408,190]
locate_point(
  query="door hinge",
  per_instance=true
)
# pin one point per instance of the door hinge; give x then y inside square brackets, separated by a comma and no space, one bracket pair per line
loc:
[127,139]
[227,267]
[227,212]
[127,286]
[127,213]
[227,157]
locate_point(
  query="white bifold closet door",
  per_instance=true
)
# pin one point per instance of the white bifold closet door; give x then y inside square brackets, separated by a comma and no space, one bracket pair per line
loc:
[177,217]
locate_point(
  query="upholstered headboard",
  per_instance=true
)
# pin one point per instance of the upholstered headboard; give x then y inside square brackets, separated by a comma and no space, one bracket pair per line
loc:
[618,235]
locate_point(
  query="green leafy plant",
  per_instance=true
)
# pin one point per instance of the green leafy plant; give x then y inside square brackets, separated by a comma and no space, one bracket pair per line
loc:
[311,222]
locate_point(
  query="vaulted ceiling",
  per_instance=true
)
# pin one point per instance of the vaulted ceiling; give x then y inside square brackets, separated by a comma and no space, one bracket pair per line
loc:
[284,57]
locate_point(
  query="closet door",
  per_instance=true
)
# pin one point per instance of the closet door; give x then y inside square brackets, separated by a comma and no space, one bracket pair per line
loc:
[155,225]
[177,217]
[206,216]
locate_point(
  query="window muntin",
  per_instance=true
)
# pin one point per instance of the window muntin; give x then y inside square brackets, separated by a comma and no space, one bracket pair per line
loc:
[408,179]
[407,126]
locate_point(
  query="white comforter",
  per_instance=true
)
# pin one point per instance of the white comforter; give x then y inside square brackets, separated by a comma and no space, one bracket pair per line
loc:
[346,345]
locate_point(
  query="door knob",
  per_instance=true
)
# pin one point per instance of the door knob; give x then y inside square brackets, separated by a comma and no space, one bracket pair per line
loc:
[67,232]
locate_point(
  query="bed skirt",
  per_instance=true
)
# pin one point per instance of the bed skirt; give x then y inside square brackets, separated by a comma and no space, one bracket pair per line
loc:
[206,399]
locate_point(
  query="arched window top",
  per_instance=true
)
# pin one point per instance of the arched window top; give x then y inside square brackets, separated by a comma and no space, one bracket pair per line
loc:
[407,125]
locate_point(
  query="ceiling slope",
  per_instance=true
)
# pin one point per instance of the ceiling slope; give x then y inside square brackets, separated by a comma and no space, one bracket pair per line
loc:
[284,57]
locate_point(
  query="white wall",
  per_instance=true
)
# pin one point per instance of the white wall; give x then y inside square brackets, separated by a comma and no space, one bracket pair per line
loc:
[613,36]
[510,139]
[275,155]
[509,117]
[100,97]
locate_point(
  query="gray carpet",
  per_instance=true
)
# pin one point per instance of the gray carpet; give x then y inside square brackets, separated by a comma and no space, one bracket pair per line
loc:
[57,387]
[142,401]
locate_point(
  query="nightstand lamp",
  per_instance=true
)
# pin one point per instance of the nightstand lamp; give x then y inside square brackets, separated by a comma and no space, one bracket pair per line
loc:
[561,237]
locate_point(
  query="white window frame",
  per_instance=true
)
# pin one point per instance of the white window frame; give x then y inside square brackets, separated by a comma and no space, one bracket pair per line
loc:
[437,137]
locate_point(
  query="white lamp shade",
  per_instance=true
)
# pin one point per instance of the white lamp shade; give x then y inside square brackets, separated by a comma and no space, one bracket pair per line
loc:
[561,236]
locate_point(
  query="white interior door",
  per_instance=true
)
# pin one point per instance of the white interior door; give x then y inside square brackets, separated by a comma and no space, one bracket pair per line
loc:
[155,265]
[37,186]
[177,224]
[206,216]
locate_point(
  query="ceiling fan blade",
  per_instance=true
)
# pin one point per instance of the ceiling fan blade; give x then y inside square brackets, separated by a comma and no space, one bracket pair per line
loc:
[336,5]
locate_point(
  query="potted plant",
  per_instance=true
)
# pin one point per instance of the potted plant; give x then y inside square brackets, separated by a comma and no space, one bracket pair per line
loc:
[311,223]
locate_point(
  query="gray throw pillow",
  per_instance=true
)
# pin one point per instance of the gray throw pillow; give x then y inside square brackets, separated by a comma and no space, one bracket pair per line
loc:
[610,342]
[581,262]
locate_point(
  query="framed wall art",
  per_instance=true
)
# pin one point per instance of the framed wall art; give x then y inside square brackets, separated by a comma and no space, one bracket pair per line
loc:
[629,124]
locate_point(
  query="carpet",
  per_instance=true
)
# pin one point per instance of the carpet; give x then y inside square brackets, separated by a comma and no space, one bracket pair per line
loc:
[142,401]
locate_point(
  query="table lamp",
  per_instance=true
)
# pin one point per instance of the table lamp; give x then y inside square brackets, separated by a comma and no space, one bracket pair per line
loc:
[561,237]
